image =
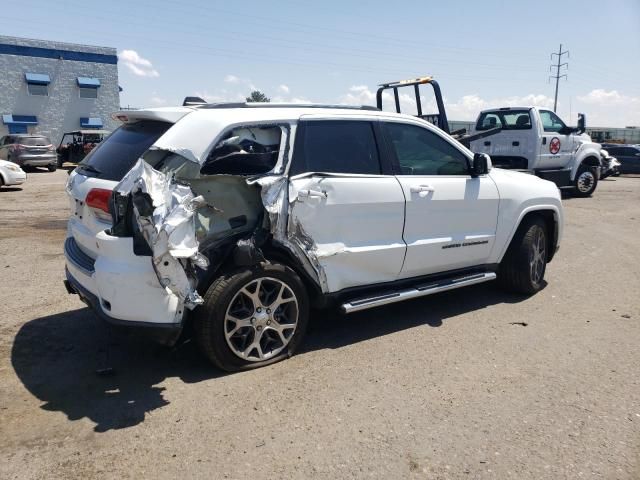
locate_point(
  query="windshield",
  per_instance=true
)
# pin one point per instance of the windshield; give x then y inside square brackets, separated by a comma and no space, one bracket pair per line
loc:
[34,141]
[506,119]
[116,154]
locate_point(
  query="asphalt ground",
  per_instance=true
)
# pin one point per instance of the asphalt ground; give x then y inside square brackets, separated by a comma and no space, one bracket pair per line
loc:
[473,383]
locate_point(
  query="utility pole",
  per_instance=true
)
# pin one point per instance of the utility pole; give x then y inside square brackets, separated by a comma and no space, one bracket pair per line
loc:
[557,76]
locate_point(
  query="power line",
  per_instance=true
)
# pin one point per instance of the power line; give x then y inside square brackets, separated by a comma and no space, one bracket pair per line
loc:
[557,76]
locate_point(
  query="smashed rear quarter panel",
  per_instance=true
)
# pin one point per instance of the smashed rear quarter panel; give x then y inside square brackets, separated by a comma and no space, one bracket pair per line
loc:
[183,216]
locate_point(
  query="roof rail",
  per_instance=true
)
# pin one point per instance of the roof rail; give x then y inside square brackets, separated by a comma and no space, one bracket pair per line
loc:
[286,105]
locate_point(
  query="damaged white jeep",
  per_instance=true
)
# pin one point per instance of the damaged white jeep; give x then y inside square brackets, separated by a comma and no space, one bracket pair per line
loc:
[241,217]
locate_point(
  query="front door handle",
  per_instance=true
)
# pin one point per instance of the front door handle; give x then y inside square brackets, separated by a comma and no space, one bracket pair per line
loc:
[422,190]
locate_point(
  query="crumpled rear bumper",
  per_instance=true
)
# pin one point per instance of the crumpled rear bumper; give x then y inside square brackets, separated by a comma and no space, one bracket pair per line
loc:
[121,287]
[166,334]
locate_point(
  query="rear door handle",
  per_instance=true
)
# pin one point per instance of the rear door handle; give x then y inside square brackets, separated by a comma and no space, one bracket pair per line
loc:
[311,193]
[487,143]
[515,144]
[422,190]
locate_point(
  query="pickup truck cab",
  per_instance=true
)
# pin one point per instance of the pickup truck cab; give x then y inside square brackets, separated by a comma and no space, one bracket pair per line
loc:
[241,217]
[537,140]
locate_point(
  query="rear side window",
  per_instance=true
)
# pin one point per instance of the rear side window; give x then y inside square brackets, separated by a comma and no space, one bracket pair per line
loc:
[340,146]
[115,156]
[421,152]
[506,119]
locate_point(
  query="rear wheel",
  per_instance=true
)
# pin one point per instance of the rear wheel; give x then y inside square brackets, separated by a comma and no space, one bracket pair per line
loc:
[252,317]
[523,266]
[586,181]
[52,167]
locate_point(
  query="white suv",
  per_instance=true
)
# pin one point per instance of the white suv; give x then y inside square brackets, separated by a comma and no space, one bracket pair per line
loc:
[243,216]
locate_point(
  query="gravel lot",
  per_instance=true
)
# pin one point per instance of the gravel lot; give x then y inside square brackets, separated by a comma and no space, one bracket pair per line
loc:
[451,386]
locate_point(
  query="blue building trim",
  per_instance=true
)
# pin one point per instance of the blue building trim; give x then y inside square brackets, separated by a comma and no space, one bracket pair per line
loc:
[86,82]
[19,119]
[39,52]
[37,78]
[92,122]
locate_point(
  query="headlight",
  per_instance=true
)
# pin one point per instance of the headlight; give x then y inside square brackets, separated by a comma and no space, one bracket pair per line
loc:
[604,153]
[14,168]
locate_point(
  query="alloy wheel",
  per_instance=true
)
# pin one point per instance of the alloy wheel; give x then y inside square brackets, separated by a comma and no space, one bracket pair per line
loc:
[537,256]
[261,319]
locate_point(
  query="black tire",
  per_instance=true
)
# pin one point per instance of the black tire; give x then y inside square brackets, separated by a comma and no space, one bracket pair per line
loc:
[210,319]
[52,167]
[586,181]
[516,272]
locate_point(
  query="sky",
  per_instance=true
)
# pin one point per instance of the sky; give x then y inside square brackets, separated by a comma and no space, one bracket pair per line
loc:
[484,54]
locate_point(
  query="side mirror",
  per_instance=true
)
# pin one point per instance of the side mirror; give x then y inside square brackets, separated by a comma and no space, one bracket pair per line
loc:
[481,164]
[582,123]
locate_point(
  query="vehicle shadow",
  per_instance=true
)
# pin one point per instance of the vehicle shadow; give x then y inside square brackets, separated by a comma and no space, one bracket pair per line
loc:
[57,357]
[10,189]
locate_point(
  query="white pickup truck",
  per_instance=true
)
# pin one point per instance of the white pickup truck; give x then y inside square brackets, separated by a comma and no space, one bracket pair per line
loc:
[538,141]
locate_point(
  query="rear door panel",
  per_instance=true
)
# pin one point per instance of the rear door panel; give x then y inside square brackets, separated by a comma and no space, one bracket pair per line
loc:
[356,229]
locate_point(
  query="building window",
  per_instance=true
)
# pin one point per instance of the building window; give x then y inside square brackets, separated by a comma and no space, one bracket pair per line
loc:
[37,83]
[88,92]
[88,87]
[40,90]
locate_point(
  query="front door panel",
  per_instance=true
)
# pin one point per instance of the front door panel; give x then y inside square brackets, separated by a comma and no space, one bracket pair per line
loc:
[450,222]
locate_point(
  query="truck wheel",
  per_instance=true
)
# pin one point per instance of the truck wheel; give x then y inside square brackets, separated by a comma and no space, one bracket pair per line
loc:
[523,266]
[586,181]
[52,167]
[252,317]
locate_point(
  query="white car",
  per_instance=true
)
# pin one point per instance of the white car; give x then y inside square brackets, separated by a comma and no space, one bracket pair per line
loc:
[241,217]
[11,174]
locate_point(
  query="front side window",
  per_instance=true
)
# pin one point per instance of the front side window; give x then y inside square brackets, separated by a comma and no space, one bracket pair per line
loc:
[336,146]
[550,121]
[38,90]
[422,152]
[88,92]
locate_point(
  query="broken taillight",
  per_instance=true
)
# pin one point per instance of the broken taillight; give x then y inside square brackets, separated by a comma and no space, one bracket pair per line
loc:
[98,200]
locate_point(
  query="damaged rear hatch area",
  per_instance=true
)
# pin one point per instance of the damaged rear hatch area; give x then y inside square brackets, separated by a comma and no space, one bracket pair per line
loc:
[205,194]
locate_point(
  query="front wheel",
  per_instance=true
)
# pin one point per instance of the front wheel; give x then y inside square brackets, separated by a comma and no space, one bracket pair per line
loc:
[252,317]
[586,181]
[523,266]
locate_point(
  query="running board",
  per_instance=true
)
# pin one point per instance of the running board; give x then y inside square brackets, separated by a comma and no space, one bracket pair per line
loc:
[416,292]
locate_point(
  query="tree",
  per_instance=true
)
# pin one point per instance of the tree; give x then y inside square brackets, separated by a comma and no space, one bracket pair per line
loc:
[258,96]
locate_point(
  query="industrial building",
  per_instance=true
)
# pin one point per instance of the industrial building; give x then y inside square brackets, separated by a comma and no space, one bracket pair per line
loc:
[50,87]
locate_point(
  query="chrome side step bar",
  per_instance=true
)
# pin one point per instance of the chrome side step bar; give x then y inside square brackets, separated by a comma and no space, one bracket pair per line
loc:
[416,292]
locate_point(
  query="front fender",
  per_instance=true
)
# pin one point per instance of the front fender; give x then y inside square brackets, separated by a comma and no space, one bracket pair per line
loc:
[547,207]
[588,153]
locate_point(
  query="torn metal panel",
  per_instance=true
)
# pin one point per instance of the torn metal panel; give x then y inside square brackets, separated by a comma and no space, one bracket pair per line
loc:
[275,193]
[164,211]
